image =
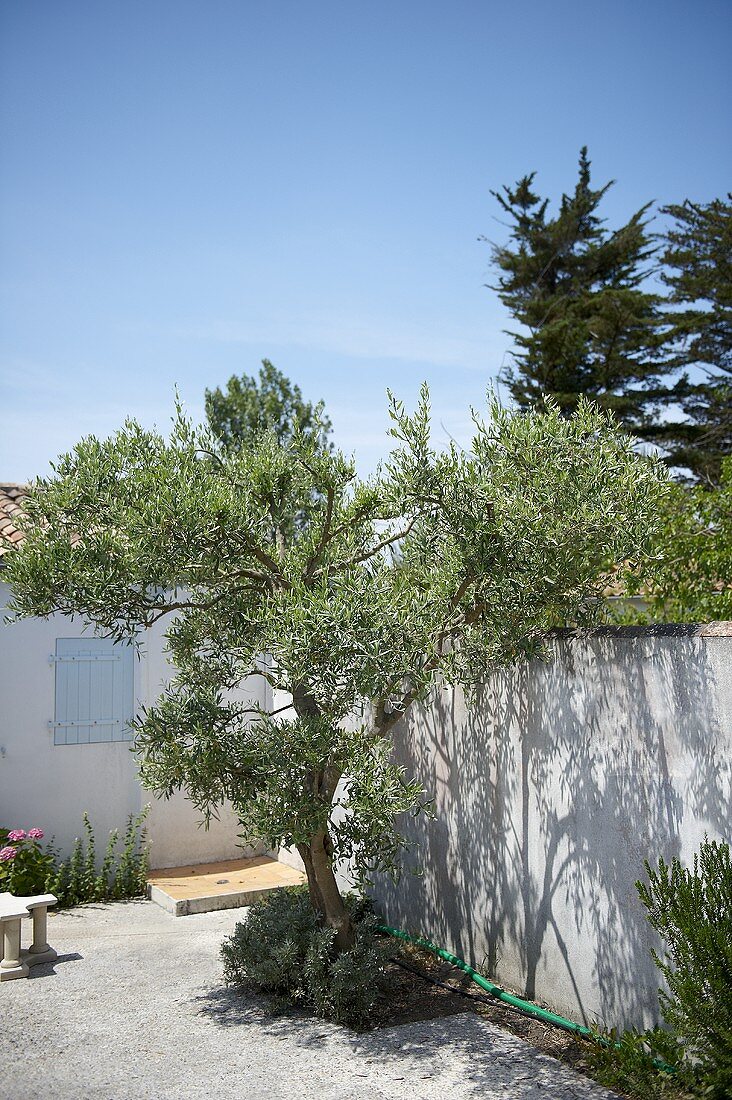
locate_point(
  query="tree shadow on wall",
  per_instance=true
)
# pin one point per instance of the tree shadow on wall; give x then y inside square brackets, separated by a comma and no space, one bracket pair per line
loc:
[552,785]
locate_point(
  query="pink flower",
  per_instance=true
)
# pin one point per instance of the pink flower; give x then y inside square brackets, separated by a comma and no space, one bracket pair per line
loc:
[7,853]
[16,834]
[35,834]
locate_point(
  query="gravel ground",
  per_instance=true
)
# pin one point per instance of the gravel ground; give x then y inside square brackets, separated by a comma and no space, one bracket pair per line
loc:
[135,1007]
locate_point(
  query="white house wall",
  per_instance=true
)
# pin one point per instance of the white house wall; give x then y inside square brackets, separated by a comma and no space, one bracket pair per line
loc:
[50,786]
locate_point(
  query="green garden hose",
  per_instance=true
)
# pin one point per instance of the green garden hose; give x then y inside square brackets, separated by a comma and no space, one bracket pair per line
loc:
[495,990]
[527,1007]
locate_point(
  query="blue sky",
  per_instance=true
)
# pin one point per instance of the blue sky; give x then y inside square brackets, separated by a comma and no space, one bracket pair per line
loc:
[186,188]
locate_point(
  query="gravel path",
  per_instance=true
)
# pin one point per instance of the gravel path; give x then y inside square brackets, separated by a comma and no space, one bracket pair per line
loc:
[135,1007]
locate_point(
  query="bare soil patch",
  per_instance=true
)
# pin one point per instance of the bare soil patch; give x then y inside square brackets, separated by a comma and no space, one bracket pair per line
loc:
[410,995]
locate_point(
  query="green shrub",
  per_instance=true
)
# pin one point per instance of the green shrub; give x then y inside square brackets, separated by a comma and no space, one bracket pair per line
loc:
[281,949]
[630,1063]
[24,865]
[76,879]
[25,868]
[130,875]
[692,911]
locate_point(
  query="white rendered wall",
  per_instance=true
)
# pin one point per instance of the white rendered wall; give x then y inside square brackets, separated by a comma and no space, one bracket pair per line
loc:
[552,785]
[50,786]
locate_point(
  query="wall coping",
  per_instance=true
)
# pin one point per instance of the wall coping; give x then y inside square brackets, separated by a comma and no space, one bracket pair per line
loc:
[721,629]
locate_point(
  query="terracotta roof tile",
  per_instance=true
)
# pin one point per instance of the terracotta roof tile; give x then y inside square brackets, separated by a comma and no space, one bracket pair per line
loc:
[11,510]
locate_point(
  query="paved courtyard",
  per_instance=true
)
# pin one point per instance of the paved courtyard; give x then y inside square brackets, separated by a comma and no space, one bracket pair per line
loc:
[135,1008]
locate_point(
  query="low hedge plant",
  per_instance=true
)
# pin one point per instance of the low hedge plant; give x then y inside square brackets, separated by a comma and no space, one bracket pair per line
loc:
[283,950]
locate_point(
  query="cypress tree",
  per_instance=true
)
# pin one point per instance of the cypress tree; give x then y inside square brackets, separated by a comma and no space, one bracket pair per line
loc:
[697,258]
[588,326]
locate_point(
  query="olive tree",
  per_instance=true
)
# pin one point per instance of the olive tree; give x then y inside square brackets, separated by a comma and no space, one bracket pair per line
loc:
[441,565]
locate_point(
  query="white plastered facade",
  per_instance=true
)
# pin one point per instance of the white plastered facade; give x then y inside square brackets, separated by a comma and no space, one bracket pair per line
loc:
[50,786]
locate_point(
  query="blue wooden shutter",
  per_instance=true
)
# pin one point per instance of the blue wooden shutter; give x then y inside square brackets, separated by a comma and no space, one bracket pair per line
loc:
[95,695]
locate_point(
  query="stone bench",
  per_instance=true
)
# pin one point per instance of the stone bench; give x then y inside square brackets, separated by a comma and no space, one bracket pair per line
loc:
[16,961]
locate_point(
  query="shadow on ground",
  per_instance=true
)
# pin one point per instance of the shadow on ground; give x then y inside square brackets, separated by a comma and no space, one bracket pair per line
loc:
[48,970]
[485,1059]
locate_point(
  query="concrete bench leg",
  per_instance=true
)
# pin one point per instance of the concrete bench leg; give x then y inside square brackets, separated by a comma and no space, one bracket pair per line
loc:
[40,951]
[11,965]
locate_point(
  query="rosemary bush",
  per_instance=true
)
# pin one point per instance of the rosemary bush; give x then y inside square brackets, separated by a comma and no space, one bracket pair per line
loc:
[631,1063]
[691,909]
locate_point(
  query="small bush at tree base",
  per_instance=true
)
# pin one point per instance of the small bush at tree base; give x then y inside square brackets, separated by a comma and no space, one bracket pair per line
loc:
[282,949]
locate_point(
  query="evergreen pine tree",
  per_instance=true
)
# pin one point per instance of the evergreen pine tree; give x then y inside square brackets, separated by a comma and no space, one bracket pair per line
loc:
[588,327]
[698,263]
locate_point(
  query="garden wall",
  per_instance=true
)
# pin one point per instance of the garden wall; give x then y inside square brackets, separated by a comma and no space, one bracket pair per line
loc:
[551,787]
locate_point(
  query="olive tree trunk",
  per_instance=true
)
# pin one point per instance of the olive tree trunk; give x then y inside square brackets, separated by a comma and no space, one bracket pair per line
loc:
[325,896]
[317,853]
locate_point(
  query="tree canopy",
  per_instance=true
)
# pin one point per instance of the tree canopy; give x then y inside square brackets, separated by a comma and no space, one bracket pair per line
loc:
[249,407]
[689,578]
[697,268]
[588,327]
[443,564]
